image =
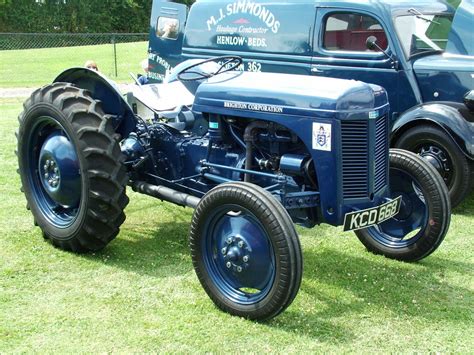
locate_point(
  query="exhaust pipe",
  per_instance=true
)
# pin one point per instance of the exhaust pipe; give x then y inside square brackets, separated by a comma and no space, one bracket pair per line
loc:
[166,194]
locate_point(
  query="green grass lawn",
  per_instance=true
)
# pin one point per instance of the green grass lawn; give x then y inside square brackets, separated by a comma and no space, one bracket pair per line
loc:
[37,67]
[141,294]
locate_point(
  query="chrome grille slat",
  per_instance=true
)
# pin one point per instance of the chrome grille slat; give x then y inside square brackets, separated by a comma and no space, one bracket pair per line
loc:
[355,174]
[356,157]
[381,153]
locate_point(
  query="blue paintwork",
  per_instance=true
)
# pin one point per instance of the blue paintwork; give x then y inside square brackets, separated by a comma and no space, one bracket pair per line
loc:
[54,172]
[58,167]
[300,95]
[297,48]
[158,65]
[454,118]
[303,100]
[413,214]
[229,238]
[292,164]
[444,77]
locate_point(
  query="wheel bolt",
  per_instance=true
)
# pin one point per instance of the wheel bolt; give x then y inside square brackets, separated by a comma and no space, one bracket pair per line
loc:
[228,264]
[239,268]
[45,167]
[224,250]
[245,258]
[241,244]
[56,170]
[46,175]
[47,162]
[229,240]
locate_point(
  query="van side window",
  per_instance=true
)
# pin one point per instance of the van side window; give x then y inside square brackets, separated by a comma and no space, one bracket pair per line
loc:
[349,31]
[167,27]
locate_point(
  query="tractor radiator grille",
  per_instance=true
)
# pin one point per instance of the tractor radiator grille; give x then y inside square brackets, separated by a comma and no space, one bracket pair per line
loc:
[381,153]
[355,158]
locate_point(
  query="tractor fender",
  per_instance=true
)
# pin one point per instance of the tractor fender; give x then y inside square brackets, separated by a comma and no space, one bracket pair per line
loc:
[453,118]
[103,89]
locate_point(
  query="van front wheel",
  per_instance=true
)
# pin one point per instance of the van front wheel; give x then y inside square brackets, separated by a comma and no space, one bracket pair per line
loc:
[436,147]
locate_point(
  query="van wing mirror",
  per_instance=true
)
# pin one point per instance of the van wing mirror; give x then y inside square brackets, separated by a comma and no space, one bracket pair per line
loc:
[371,43]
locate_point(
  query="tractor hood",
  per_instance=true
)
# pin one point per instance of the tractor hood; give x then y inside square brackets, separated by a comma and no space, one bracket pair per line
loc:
[445,77]
[253,94]
[460,39]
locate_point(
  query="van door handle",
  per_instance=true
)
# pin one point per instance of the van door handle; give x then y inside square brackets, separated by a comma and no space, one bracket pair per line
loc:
[315,69]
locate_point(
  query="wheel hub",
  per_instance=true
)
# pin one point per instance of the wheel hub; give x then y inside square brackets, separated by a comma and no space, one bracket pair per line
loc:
[406,206]
[412,216]
[58,168]
[236,254]
[241,256]
[51,173]
[437,158]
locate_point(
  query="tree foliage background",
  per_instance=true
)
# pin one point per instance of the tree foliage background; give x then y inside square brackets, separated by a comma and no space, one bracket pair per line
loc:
[81,16]
[76,16]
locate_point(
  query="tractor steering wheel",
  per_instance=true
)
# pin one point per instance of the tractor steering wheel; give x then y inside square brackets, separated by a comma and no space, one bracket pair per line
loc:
[227,63]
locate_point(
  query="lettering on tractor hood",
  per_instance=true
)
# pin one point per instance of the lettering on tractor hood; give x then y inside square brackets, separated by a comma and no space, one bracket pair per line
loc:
[253,106]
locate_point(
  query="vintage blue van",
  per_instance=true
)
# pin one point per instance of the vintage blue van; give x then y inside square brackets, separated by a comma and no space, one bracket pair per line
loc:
[420,51]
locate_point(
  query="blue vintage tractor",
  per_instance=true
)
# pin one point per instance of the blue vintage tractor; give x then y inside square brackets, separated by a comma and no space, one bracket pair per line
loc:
[253,153]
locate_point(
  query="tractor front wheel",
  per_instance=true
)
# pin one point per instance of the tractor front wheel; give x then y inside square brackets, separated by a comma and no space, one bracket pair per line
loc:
[245,251]
[71,169]
[425,212]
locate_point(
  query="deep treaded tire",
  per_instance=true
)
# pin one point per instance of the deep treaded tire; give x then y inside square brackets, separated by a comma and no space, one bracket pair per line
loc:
[71,168]
[425,214]
[441,151]
[245,251]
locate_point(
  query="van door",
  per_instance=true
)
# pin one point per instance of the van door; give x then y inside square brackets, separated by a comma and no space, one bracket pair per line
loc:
[270,36]
[167,23]
[340,51]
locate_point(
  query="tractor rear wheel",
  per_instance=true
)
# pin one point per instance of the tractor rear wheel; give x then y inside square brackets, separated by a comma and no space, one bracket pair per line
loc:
[246,251]
[71,169]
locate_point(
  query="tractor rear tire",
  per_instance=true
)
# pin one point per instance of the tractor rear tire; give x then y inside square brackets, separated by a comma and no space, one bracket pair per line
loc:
[71,169]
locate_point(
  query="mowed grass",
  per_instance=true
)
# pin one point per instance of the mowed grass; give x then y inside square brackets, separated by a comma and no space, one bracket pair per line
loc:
[37,67]
[140,294]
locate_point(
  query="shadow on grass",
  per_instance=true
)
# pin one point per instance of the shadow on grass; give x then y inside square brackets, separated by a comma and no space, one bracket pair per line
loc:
[466,208]
[368,286]
[159,251]
[335,284]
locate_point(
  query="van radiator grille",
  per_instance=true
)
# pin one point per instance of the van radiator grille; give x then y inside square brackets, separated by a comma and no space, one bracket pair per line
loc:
[381,153]
[355,158]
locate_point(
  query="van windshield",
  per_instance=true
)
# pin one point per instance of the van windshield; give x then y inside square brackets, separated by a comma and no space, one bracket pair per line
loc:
[423,33]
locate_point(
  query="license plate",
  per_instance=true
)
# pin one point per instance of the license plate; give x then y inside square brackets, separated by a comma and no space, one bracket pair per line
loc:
[375,215]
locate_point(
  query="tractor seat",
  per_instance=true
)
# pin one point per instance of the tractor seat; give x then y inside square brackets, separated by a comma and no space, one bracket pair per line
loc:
[163,97]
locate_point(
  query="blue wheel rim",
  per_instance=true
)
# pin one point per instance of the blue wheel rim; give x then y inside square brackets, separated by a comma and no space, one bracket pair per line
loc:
[53,172]
[238,254]
[398,232]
